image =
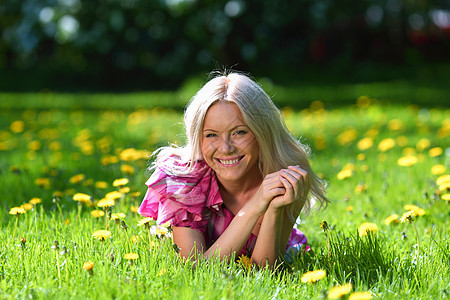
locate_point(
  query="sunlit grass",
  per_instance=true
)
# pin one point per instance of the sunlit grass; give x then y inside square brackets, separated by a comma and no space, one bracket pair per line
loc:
[79,174]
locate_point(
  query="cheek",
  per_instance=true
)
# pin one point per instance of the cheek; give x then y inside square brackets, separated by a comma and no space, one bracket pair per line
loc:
[248,144]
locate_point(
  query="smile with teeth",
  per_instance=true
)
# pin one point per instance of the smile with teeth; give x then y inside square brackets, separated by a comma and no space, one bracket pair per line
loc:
[229,162]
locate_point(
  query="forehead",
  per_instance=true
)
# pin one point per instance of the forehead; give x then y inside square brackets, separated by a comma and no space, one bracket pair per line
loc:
[223,114]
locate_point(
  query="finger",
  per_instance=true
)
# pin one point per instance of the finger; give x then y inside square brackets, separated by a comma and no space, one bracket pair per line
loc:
[299,170]
[295,180]
[290,193]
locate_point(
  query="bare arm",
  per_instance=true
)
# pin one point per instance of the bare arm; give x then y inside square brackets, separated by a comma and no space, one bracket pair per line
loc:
[233,239]
[277,226]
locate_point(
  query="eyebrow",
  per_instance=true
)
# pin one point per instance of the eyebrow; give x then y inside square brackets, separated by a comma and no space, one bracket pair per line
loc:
[243,125]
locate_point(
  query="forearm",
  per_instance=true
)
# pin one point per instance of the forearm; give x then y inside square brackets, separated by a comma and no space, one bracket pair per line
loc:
[233,239]
[270,238]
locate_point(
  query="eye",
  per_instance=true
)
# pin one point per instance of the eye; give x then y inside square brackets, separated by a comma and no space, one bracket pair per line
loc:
[240,132]
[210,135]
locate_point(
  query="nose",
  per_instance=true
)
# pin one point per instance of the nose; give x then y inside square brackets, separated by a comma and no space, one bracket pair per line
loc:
[226,145]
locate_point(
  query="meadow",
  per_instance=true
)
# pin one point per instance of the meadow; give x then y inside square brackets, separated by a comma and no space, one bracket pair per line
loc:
[72,174]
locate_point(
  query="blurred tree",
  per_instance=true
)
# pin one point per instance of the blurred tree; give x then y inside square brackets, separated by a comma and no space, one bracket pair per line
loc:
[141,44]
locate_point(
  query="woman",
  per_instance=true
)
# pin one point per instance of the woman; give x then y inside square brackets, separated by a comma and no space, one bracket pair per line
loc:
[241,180]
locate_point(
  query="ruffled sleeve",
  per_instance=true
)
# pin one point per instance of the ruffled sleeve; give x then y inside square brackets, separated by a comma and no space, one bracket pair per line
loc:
[183,200]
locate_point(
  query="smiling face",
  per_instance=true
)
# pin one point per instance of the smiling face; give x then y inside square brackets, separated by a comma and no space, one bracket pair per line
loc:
[228,146]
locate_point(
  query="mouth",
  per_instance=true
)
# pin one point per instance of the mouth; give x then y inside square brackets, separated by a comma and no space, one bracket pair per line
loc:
[230,162]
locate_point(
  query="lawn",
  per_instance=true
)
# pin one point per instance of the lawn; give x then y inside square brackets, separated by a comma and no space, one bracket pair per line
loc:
[71,165]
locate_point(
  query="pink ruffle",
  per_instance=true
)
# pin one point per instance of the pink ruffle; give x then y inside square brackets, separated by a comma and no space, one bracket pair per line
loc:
[182,200]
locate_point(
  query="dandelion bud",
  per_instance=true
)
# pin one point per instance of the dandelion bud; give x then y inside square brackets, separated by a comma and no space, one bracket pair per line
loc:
[64,251]
[55,245]
[404,236]
[23,242]
[324,226]
[176,248]
[123,225]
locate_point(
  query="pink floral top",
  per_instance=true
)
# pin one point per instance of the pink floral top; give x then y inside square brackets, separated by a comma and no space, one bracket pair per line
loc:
[193,200]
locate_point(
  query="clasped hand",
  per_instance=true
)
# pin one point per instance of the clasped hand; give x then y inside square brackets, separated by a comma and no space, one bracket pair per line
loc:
[284,187]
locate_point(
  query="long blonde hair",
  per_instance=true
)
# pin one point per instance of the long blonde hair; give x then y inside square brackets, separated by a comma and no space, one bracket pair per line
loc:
[278,149]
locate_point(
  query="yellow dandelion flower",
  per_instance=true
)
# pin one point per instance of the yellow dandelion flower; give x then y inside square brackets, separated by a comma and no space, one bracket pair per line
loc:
[109,159]
[159,231]
[101,185]
[395,124]
[409,151]
[42,182]
[347,136]
[344,174]
[407,161]
[101,235]
[125,190]
[313,276]
[436,151]
[106,202]
[445,197]
[339,291]
[363,102]
[131,256]
[17,126]
[127,169]
[423,144]
[88,182]
[16,211]
[58,194]
[373,132]
[162,272]
[361,156]
[135,194]
[445,186]
[135,239]
[246,262]
[386,144]
[360,296]
[402,141]
[81,197]
[35,201]
[120,182]
[365,143]
[114,195]
[438,169]
[408,216]
[367,227]
[97,213]
[417,210]
[349,208]
[442,179]
[145,221]
[88,265]
[27,206]
[361,187]
[77,178]
[391,218]
[134,208]
[117,216]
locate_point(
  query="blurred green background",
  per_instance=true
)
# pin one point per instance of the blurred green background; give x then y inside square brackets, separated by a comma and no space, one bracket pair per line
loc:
[398,49]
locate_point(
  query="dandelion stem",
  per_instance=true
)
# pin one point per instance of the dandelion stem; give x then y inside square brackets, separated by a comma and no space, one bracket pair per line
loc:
[79,212]
[57,264]
[149,238]
[106,218]
[417,236]
[15,227]
[328,245]
[60,211]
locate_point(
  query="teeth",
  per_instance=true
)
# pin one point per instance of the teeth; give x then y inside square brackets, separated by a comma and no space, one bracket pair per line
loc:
[229,162]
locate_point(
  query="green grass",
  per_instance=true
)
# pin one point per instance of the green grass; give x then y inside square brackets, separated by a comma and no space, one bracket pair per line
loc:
[67,135]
